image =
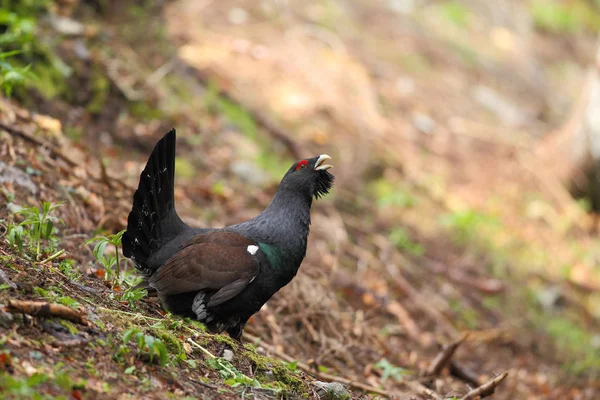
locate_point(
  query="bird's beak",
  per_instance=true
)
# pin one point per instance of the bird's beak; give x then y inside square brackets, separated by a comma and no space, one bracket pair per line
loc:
[319,167]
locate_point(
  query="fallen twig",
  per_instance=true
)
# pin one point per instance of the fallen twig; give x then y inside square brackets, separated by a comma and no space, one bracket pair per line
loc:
[202,349]
[405,319]
[444,356]
[487,389]
[205,384]
[464,374]
[45,309]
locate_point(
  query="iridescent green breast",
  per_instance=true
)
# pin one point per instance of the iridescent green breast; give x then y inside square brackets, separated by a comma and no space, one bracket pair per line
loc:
[273,253]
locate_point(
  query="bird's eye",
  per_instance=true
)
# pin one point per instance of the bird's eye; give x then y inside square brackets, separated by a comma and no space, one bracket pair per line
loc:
[301,165]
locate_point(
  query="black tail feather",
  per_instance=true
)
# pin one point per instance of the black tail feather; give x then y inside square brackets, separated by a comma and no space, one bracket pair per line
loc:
[153,220]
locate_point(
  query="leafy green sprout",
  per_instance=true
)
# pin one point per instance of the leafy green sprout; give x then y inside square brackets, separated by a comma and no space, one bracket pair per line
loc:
[38,225]
[134,294]
[108,261]
[12,76]
[230,374]
[390,370]
[147,345]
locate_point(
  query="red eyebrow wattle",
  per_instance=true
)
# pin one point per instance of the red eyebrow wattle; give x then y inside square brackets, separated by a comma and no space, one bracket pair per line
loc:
[300,164]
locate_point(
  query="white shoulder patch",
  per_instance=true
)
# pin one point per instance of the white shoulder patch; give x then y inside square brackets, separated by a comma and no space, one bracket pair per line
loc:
[252,249]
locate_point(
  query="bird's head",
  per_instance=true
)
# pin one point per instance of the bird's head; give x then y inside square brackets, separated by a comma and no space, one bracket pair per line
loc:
[309,177]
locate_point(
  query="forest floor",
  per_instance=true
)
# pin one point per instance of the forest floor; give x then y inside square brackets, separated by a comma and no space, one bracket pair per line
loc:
[442,229]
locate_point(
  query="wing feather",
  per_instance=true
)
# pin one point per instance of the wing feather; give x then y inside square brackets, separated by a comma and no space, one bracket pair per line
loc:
[216,260]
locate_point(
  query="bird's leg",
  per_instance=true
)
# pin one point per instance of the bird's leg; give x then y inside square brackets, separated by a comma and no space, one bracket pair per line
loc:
[235,332]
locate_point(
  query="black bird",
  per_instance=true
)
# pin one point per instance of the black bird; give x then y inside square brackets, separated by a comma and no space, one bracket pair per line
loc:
[220,277]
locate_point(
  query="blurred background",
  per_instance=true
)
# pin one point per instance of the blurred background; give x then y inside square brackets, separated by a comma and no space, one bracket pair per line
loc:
[465,137]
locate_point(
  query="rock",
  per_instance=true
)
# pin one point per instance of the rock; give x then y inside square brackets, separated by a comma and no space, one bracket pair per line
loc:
[405,86]
[550,297]
[424,123]
[13,175]
[405,7]
[506,110]
[331,391]
[80,49]
[6,319]
[5,279]
[249,172]
[228,355]
[67,26]
[238,16]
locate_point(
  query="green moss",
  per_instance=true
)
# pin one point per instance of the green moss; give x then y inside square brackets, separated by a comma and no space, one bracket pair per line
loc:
[226,340]
[184,168]
[100,88]
[73,132]
[73,330]
[391,194]
[40,292]
[50,80]
[203,341]
[282,377]
[145,111]
[400,237]
[56,290]
[6,259]
[456,13]
[174,344]
[195,324]
[561,18]
[67,301]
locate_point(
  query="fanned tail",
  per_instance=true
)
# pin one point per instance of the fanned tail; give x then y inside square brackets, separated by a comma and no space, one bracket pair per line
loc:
[153,220]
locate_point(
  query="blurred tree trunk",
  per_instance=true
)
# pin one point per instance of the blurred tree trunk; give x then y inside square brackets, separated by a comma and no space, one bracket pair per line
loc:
[572,154]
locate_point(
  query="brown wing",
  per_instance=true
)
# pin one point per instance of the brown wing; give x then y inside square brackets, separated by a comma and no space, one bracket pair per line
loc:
[216,260]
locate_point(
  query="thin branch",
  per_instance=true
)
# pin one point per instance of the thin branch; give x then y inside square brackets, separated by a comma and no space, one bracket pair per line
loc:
[133,315]
[487,389]
[202,349]
[45,309]
[459,371]
[53,256]
[422,390]
[444,357]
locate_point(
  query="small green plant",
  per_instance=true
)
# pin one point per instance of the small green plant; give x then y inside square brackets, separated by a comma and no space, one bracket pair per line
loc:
[67,267]
[456,13]
[21,388]
[12,76]
[147,346]
[111,263]
[470,225]
[403,242]
[292,366]
[564,17]
[132,295]
[230,374]
[390,370]
[37,225]
[28,59]
[389,194]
